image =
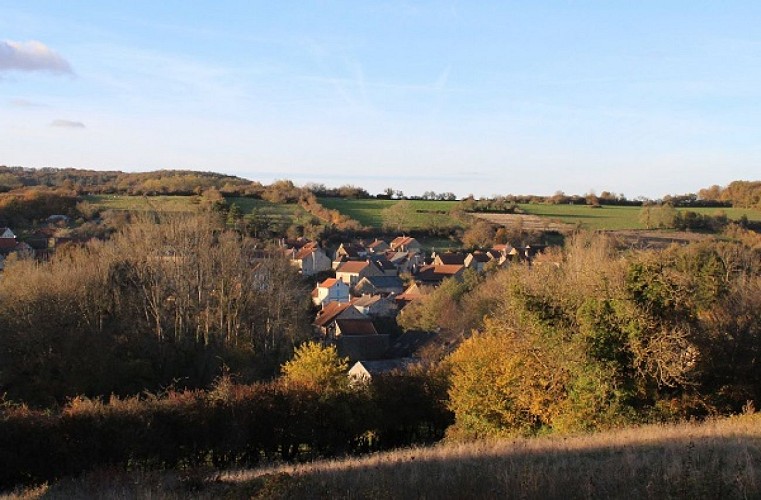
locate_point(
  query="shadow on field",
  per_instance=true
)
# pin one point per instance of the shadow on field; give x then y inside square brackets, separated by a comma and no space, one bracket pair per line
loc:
[672,468]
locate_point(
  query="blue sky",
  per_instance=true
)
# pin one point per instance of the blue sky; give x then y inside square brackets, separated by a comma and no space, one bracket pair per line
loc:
[645,98]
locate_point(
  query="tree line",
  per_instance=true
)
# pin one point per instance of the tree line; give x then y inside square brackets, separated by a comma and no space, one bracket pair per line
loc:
[295,417]
[168,299]
[603,339]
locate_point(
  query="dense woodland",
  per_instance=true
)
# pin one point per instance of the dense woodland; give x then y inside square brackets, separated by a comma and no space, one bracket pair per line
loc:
[179,340]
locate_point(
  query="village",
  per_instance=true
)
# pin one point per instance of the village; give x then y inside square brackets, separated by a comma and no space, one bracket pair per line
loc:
[358,288]
[362,286]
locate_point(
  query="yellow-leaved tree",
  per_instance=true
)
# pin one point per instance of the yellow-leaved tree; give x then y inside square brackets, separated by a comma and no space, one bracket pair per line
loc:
[316,366]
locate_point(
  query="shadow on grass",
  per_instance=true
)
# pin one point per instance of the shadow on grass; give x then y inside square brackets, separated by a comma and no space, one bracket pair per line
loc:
[674,468]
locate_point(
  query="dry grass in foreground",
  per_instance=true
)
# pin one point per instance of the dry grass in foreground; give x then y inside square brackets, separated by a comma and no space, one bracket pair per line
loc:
[715,459]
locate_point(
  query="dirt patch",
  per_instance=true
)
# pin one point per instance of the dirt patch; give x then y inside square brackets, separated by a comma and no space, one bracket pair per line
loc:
[656,239]
[525,221]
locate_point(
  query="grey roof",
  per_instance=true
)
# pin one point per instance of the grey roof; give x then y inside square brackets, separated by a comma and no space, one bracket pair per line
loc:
[367,300]
[381,366]
[385,281]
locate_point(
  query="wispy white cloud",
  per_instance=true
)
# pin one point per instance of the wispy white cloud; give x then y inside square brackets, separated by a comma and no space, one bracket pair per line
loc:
[25,103]
[67,124]
[31,56]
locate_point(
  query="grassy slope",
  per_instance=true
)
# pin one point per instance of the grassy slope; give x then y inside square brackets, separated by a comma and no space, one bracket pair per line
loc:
[717,459]
[614,217]
[287,212]
[136,203]
[368,212]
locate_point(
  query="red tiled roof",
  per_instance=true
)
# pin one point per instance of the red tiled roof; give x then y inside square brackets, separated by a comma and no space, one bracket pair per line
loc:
[330,312]
[376,243]
[437,273]
[401,240]
[305,252]
[328,283]
[352,266]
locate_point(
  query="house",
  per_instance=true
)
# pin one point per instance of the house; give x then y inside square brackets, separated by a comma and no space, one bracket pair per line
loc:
[365,370]
[330,290]
[413,292]
[434,275]
[354,270]
[503,248]
[477,260]
[377,247]
[310,259]
[449,259]
[355,326]
[385,265]
[406,244]
[8,245]
[54,219]
[494,254]
[414,343]
[325,320]
[376,306]
[405,262]
[358,339]
[379,285]
[350,251]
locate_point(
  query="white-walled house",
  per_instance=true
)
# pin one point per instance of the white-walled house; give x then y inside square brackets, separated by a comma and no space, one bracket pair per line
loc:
[353,271]
[330,290]
[310,260]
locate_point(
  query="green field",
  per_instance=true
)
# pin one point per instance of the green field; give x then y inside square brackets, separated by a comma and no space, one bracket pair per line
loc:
[368,212]
[427,213]
[615,217]
[286,213]
[142,203]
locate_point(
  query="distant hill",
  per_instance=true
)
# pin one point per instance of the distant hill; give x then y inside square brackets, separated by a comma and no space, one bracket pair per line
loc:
[174,182]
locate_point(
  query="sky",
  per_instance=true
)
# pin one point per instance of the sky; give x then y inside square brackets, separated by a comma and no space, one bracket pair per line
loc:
[643,98]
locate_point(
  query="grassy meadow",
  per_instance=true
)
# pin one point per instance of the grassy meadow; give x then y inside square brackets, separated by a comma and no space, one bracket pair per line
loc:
[610,217]
[716,459]
[368,213]
[286,213]
[142,203]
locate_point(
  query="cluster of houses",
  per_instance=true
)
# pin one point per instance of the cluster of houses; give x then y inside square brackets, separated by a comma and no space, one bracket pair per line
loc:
[360,288]
[39,244]
[9,245]
[364,285]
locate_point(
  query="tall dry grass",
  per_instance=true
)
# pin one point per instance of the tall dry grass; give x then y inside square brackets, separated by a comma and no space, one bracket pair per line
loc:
[714,459]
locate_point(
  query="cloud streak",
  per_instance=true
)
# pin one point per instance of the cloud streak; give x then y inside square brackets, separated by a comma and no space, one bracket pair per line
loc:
[31,56]
[25,103]
[67,124]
